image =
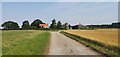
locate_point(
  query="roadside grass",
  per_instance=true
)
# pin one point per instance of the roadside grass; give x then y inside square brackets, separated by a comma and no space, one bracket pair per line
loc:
[0,42]
[25,42]
[107,50]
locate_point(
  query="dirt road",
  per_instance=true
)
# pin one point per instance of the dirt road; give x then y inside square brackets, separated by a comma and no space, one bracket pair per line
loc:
[62,45]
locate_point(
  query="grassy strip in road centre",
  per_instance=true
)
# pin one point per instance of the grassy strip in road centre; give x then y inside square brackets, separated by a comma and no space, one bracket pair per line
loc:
[98,46]
[25,42]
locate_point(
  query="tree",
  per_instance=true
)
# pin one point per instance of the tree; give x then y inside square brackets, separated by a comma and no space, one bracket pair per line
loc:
[115,25]
[36,23]
[69,26]
[25,25]
[65,26]
[53,25]
[59,25]
[10,25]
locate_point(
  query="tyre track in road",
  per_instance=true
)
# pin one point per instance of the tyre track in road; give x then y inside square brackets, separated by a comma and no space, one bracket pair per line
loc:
[62,45]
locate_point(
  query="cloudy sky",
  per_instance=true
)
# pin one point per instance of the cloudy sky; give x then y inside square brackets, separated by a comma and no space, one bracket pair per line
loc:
[71,12]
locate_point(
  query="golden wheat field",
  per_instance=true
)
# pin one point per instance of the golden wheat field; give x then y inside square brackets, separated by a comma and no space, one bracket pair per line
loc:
[106,36]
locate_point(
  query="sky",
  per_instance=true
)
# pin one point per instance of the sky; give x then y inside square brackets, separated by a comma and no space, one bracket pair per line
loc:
[60,0]
[71,12]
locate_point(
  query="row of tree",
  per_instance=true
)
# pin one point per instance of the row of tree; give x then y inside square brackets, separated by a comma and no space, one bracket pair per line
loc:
[34,25]
[113,25]
[59,25]
[25,25]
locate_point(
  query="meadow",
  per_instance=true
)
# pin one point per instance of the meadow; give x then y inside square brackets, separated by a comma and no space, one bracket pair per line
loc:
[106,36]
[25,42]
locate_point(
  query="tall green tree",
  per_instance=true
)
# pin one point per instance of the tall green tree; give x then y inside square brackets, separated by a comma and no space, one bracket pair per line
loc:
[53,25]
[25,25]
[65,26]
[35,23]
[59,25]
[69,26]
[10,25]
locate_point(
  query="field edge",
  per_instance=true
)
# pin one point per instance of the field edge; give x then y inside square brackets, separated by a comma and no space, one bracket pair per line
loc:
[97,46]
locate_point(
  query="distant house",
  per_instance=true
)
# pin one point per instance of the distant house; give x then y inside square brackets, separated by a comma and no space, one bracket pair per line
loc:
[77,26]
[43,25]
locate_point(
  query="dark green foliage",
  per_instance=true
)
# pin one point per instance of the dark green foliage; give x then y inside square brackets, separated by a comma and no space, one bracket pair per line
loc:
[75,27]
[65,26]
[69,26]
[33,27]
[25,25]
[10,25]
[53,25]
[59,25]
[115,25]
[35,23]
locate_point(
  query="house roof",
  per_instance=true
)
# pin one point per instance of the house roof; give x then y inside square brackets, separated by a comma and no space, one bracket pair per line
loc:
[43,24]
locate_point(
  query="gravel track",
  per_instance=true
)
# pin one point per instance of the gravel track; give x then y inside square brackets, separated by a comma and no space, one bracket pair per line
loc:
[62,45]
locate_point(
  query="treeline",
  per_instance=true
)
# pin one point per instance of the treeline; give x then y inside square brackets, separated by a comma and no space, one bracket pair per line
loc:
[113,25]
[11,25]
[55,25]
[59,25]
[90,27]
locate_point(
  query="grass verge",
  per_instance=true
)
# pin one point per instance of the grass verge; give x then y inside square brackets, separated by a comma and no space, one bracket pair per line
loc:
[108,51]
[24,42]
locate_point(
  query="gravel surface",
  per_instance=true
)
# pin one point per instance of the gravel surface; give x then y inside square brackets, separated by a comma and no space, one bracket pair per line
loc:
[62,45]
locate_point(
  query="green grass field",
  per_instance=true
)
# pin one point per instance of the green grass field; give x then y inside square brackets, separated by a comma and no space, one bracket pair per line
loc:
[25,42]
